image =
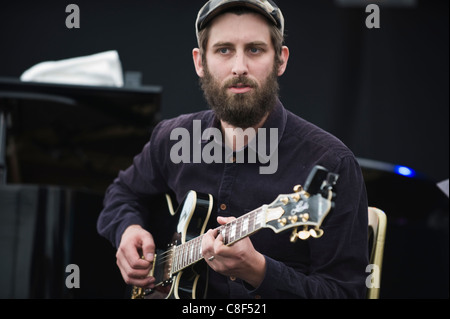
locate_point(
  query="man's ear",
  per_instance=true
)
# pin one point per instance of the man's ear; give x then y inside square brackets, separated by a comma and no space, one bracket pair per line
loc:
[284,58]
[197,56]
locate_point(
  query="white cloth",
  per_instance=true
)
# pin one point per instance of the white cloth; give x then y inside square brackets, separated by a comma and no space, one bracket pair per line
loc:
[101,69]
[443,186]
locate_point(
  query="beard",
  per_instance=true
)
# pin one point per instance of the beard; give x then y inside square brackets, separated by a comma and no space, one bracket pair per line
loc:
[241,110]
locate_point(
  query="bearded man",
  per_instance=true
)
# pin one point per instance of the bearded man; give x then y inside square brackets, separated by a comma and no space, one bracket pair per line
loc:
[240,55]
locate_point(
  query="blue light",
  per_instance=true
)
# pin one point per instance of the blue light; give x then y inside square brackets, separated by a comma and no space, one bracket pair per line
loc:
[405,171]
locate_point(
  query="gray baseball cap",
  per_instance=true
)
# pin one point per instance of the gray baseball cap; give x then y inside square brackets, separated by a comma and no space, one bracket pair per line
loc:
[214,7]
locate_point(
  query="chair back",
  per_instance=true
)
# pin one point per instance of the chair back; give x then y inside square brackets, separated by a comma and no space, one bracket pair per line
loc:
[377,236]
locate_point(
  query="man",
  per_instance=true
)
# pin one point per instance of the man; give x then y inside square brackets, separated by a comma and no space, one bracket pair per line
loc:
[240,56]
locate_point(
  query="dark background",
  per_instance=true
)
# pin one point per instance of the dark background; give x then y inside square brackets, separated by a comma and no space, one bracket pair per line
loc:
[384,92]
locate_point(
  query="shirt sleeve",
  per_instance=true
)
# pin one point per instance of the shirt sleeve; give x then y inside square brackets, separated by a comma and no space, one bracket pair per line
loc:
[338,259]
[128,198]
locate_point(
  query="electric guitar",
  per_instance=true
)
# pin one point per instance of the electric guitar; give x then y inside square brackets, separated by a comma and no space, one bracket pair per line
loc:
[177,269]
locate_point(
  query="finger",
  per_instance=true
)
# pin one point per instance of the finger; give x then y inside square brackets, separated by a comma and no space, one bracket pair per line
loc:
[136,261]
[219,246]
[133,269]
[207,239]
[225,220]
[208,243]
[141,254]
[139,277]
[148,248]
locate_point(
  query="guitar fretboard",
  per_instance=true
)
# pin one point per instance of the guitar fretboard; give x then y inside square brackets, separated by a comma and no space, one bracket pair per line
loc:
[189,253]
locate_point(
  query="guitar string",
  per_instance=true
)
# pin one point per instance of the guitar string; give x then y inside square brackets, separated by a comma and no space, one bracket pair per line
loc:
[189,250]
[252,219]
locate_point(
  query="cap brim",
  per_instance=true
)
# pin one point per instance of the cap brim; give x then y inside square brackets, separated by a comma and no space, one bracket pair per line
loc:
[214,13]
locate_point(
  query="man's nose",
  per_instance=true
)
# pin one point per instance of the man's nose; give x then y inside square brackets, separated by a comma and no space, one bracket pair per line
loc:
[240,66]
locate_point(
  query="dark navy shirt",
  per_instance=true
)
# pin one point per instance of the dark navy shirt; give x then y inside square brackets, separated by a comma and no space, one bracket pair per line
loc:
[333,266]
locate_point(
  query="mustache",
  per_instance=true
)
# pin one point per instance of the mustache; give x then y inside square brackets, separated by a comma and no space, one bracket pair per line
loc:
[240,81]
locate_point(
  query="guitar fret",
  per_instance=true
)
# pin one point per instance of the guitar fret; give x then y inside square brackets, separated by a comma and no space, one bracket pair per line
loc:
[189,255]
[226,237]
[252,222]
[186,254]
[190,252]
[245,225]
[200,248]
[188,259]
[174,259]
[258,220]
[233,231]
[194,250]
[242,226]
[239,228]
[180,262]
[185,251]
[180,257]
[223,232]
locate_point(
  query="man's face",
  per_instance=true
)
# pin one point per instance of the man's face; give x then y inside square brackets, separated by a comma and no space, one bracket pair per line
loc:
[240,75]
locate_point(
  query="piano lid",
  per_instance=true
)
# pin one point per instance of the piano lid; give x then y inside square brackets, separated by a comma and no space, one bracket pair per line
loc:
[73,135]
[133,104]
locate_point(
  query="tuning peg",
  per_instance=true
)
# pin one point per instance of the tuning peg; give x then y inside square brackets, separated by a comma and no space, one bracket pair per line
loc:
[304,234]
[294,235]
[298,188]
[316,232]
[293,219]
[304,217]
[282,221]
[296,197]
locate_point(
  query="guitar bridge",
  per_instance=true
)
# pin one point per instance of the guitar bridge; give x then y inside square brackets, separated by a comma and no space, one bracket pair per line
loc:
[162,267]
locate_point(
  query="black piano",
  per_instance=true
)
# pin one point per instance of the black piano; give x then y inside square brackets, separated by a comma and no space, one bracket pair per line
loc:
[60,147]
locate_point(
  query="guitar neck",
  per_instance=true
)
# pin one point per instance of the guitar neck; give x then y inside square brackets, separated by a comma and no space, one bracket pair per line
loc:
[189,253]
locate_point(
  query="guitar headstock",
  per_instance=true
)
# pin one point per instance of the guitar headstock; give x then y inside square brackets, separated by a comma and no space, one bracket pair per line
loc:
[305,207]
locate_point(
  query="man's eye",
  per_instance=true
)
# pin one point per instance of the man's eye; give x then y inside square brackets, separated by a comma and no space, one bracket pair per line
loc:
[255,50]
[223,50]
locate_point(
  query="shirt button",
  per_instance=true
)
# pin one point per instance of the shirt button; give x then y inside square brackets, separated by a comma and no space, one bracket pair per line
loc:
[223,207]
[232,278]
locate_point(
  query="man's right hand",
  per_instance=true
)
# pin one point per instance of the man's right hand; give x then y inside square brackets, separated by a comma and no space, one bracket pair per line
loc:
[136,243]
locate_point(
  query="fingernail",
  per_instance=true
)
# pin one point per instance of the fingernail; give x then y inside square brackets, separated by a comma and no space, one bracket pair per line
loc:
[149,257]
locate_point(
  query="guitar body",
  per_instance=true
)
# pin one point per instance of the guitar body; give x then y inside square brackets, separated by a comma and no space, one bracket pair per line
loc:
[194,214]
